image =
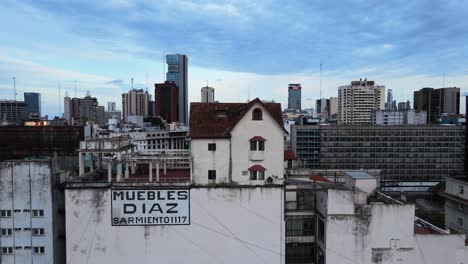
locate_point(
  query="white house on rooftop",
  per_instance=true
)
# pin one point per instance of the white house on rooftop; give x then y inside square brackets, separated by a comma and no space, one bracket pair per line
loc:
[239,143]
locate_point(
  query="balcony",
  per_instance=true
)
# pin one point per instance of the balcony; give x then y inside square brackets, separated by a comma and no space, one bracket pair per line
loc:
[256,155]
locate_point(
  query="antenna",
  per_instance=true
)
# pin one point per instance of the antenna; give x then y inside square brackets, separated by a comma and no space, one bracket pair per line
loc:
[132,83]
[320,79]
[443,81]
[75,88]
[60,109]
[146,82]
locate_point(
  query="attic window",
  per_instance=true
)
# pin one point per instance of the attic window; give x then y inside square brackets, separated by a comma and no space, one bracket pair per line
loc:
[257,114]
[221,113]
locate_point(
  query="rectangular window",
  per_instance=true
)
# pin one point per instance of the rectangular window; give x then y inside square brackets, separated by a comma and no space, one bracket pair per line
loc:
[253,175]
[299,225]
[38,231]
[260,175]
[261,145]
[460,221]
[17,229]
[6,231]
[38,250]
[321,230]
[17,211]
[38,213]
[7,250]
[253,145]
[26,211]
[212,146]
[461,190]
[5,213]
[211,174]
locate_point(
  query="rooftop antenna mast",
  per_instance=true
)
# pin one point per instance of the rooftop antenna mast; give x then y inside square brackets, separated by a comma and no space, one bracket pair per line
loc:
[443,81]
[320,79]
[14,90]
[75,88]
[60,109]
[132,83]
[146,82]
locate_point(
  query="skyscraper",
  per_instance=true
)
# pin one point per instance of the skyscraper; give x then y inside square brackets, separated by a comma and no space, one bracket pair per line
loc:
[110,106]
[166,101]
[177,72]
[322,106]
[437,102]
[207,94]
[389,104]
[135,103]
[294,96]
[34,103]
[356,101]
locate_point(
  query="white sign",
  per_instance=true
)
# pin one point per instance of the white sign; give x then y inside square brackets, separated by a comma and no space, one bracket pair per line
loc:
[150,207]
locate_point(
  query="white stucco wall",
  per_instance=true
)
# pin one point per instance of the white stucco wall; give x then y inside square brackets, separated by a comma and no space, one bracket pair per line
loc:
[267,128]
[26,185]
[228,225]
[204,160]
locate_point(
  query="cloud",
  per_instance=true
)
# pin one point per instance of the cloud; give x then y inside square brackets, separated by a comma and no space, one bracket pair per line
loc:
[115,82]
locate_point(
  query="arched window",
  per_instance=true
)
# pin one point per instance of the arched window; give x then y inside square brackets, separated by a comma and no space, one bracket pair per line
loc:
[257,114]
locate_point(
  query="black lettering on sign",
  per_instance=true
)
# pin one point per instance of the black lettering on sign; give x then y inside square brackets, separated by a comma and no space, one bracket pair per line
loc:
[155,208]
[182,195]
[118,195]
[170,195]
[129,195]
[141,195]
[129,208]
[151,195]
[171,208]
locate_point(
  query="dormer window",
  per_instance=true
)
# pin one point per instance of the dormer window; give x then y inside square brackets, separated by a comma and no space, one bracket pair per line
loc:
[257,114]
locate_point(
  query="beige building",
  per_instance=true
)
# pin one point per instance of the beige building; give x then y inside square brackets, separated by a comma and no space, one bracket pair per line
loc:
[356,101]
[135,103]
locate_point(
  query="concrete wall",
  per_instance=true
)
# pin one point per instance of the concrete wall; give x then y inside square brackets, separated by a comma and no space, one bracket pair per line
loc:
[267,128]
[204,160]
[453,187]
[26,185]
[228,225]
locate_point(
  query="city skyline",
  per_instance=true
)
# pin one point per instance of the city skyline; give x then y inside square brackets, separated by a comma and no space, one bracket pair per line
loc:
[102,47]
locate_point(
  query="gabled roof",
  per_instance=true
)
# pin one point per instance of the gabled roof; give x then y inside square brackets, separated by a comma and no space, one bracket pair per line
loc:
[216,120]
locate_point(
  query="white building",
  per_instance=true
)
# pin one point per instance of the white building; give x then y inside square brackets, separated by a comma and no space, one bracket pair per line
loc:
[356,224]
[240,143]
[207,94]
[398,117]
[356,101]
[456,204]
[27,225]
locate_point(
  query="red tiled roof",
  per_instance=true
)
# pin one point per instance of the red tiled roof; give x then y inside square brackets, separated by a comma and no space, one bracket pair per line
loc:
[289,155]
[216,120]
[319,178]
[257,168]
[257,138]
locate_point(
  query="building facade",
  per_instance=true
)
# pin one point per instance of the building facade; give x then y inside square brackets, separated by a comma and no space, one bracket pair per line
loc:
[78,111]
[398,117]
[389,103]
[240,143]
[13,111]
[294,96]
[34,103]
[207,94]
[322,107]
[437,102]
[356,101]
[177,72]
[166,106]
[333,109]
[111,106]
[456,203]
[135,103]
[29,232]
[402,153]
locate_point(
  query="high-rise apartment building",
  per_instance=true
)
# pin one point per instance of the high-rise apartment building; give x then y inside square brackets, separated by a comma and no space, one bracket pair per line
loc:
[356,101]
[177,72]
[322,105]
[34,103]
[135,103]
[166,101]
[437,102]
[207,94]
[333,108]
[78,111]
[294,96]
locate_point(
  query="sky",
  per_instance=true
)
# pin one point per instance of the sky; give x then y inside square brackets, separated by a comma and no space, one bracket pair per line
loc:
[234,46]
